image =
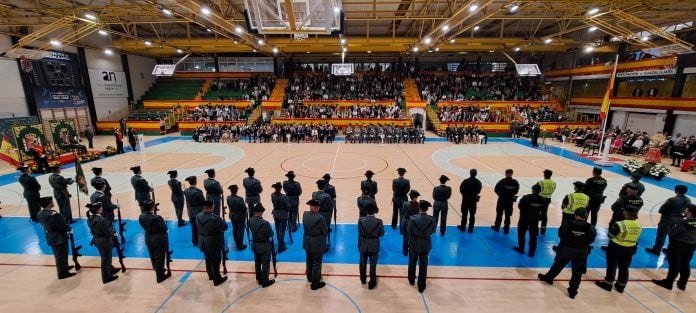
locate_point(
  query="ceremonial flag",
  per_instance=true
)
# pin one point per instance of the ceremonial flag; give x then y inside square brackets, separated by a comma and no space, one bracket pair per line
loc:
[604,111]
[8,153]
[80,177]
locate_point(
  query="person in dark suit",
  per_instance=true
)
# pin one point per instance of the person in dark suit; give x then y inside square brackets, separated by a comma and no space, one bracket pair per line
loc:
[293,189]
[156,239]
[637,92]
[364,200]
[177,196]
[103,239]
[238,216]
[61,193]
[56,230]
[194,202]
[213,191]
[97,177]
[262,245]
[682,244]
[252,187]
[369,183]
[314,243]
[470,189]
[89,134]
[132,139]
[400,188]
[506,189]
[370,229]
[420,227]
[211,232]
[281,213]
[576,237]
[534,133]
[441,194]
[140,185]
[531,210]
[32,191]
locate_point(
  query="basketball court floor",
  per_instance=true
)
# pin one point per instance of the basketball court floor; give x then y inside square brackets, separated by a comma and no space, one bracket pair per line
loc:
[477,271]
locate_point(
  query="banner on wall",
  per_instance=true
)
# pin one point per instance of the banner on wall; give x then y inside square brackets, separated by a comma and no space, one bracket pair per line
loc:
[61,130]
[29,136]
[6,125]
[108,84]
[56,97]
[56,80]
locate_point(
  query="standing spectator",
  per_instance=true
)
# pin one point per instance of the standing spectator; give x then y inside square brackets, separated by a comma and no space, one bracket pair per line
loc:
[131,138]
[89,134]
[119,140]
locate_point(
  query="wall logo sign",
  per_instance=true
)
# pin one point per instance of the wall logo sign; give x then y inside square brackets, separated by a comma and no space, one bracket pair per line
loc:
[108,84]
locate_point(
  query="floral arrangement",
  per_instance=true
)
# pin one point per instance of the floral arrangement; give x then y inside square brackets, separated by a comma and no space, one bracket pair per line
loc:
[632,165]
[90,156]
[659,170]
[110,150]
[656,171]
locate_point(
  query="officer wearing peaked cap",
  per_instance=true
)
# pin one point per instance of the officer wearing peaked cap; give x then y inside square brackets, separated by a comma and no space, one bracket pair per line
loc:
[213,191]
[238,216]
[364,200]
[103,239]
[314,242]
[211,232]
[330,190]
[623,243]
[400,188]
[98,177]
[252,188]
[506,189]
[261,235]
[56,229]
[369,183]
[531,211]
[574,201]
[408,209]
[441,194]
[194,202]
[420,227]
[61,193]
[31,193]
[156,239]
[630,197]
[293,189]
[281,213]
[140,185]
[99,195]
[370,229]
[177,196]
[594,189]
[325,202]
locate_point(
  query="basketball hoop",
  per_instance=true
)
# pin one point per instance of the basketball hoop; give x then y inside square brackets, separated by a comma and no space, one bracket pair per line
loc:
[300,36]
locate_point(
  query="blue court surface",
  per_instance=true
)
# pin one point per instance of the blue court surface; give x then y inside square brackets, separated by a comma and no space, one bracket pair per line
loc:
[483,248]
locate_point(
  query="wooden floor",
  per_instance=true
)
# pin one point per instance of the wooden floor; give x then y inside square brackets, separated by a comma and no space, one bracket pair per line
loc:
[28,282]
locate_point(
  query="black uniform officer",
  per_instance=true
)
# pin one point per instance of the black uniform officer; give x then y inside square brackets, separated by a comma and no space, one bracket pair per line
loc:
[31,191]
[211,232]
[408,209]
[281,213]
[194,202]
[531,211]
[671,213]
[56,235]
[61,193]
[682,244]
[470,189]
[364,200]
[369,183]
[506,189]
[623,243]
[293,189]
[325,205]
[576,237]
[594,188]
[400,187]
[441,194]
[635,180]
[420,227]
[177,196]
[370,229]
[314,243]
[140,185]
[630,197]
[331,191]
[213,191]
[97,177]
[156,239]
[262,245]
[99,195]
[238,217]
[103,238]
[252,188]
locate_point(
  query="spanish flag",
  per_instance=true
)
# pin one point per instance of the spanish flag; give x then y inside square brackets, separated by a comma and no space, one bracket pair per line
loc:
[604,111]
[8,153]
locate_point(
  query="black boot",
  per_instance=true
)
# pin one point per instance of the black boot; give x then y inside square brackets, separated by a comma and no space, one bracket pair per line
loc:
[604,285]
[663,283]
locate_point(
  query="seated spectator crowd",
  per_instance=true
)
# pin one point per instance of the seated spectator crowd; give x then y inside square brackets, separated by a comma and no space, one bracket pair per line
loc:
[459,87]
[356,87]
[334,111]
[217,133]
[257,87]
[219,113]
[466,134]
[469,114]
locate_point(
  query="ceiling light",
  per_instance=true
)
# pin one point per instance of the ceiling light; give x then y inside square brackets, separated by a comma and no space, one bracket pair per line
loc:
[477,27]
[548,40]
[275,50]
[615,39]
[645,38]
[428,40]
[345,49]
[593,11]
[452,40]
[437,49]
[236,42]
[166,12]
[238,29]
[209,30]
[205,10]
[253,50]
[197,67]
[517,49]
[589,49]
[108,51]
[445,28]
[514,8]
[179,51]
[103,32]
[415,49]
[55,43]
[343,41]
[591,29]
[148,43]
[308,52]
[337,10]
[491,51]
[90,16]
[473,7]
[260,42]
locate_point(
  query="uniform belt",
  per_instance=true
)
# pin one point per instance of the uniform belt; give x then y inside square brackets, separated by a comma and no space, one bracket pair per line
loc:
[440,200]
[315,236]
[214,194]
[157,233]
[421,236]
[211,235]
[262,241]
[370,237]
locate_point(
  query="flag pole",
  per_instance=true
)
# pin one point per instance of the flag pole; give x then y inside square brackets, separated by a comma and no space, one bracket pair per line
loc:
[603,112]
[77,188]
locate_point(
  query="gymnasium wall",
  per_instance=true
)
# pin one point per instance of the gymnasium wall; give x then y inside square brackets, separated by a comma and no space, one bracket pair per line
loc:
[12,100]
[106,107]
[140,69]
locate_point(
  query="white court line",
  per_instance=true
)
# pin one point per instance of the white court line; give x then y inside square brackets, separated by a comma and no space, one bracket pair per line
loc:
[333,167]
